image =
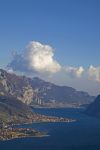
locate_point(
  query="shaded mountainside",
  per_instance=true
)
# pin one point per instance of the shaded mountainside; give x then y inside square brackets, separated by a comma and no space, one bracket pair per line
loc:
[12,110]
[94,108]
[50,92]
[38,92]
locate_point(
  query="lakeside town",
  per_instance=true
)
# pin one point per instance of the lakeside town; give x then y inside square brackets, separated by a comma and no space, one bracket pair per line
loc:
[9,131]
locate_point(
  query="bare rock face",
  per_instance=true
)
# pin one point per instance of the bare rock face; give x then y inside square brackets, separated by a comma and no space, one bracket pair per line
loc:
[16,86]
[27,95]
[56,95]
[36,91]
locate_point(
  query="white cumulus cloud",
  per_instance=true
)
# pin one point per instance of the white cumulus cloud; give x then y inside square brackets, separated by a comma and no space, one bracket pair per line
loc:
[75,71]
[36,57]
[94,73]
[41,58]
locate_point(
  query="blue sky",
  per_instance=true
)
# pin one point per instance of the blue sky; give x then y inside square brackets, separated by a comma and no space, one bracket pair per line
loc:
[71,27]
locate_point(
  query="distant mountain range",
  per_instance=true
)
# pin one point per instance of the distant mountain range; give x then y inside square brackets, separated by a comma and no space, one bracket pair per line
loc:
[18,93]
[94,108]
[37,92]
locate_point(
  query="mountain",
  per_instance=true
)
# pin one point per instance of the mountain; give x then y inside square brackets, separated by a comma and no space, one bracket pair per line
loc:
[17,86]
[35,91]
[51,93]
[12,110]
[94,108]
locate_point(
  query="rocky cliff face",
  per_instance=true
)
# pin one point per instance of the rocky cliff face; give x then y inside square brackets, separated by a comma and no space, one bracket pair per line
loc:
[27,95]
[16,86]
[49,92]
[37,91]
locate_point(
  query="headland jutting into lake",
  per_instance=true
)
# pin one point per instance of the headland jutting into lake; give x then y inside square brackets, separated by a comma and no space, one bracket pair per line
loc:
[8,131]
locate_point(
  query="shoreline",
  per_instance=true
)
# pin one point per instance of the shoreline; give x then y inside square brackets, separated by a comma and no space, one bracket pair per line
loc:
[25,137]
[17,133]
[10,131]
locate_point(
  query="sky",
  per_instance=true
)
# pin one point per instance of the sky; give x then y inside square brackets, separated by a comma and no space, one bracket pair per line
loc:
[57,40]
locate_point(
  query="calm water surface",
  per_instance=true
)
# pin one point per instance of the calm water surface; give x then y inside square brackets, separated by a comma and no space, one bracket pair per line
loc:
[81,135]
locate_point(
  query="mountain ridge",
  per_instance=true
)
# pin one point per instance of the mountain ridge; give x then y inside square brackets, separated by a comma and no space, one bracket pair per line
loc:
[12,110]
[36,91]
[93,109]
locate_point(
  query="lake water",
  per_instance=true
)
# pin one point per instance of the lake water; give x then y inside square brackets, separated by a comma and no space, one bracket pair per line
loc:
[81,135]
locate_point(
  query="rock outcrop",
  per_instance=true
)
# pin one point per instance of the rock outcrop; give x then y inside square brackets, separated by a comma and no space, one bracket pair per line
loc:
[16,86]
[38,92]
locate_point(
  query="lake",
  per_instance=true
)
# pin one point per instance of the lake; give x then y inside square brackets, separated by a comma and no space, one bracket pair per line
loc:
[84,134]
